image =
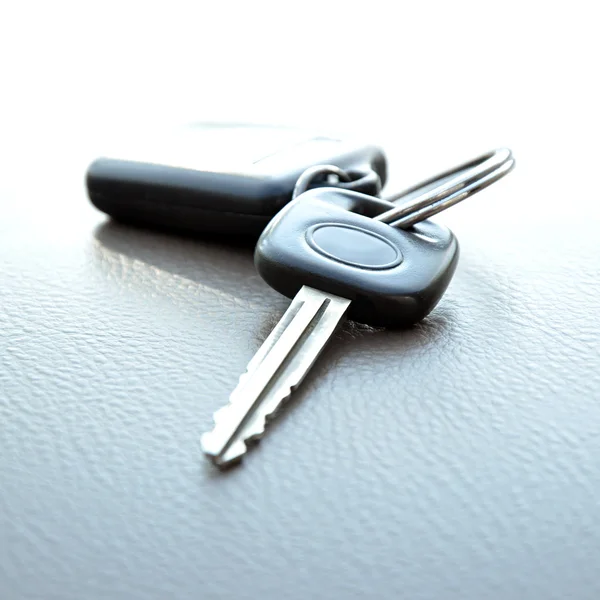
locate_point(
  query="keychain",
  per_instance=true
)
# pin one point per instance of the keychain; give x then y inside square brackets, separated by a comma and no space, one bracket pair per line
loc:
[338,254]
[433,195]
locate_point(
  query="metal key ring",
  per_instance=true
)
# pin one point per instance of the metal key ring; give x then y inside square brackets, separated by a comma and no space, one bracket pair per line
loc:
[456,185]
[361,179]
[305,180]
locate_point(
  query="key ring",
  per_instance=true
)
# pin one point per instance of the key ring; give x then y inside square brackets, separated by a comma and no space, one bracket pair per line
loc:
[454,186]
[365,181]
[433,195]
[312,173]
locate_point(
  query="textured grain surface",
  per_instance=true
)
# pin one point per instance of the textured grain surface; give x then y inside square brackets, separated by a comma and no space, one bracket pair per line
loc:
[458,460]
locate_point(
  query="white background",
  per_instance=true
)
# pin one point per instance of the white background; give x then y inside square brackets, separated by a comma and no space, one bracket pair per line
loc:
[434,82]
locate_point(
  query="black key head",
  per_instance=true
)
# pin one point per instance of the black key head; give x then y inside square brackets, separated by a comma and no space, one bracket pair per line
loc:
[327,239]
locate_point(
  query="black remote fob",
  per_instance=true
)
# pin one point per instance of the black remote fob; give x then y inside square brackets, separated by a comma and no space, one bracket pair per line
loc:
[220,178]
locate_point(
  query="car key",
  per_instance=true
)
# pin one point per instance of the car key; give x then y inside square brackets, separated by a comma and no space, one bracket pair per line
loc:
[327,252]
[327,243]
[227,179]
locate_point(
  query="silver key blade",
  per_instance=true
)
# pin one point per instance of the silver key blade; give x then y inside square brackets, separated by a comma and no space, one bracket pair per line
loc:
[278,368]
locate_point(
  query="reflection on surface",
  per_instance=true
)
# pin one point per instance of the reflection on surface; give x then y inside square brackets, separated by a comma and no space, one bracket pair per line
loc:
[209,261]
[224,267]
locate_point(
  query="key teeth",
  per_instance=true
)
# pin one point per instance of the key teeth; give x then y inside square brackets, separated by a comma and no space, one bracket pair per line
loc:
[236,451]
[243,378]
[217,415]
[260,426]
[273,374]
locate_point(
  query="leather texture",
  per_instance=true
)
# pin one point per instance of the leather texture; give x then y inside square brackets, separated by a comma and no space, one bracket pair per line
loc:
[458,459]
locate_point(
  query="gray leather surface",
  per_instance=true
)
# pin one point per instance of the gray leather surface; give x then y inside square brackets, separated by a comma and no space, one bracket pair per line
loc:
[459,460]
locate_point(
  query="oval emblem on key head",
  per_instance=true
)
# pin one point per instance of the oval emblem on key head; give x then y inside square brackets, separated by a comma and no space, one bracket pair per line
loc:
[353,246]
